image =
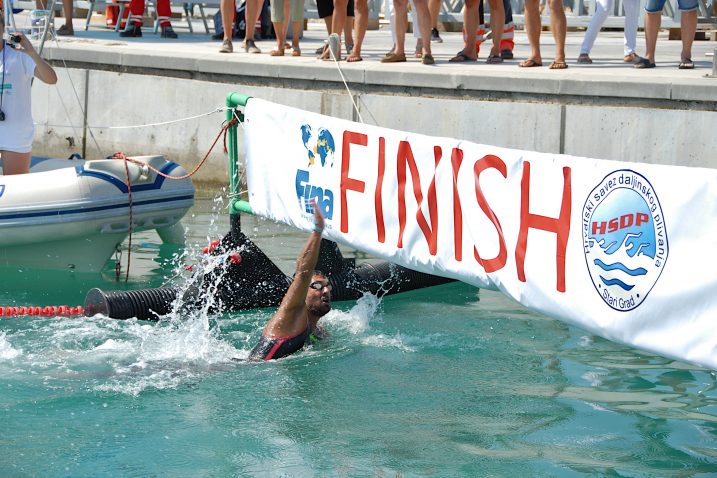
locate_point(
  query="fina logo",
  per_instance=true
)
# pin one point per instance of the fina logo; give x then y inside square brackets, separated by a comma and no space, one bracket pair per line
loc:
[624,239]
[319,146]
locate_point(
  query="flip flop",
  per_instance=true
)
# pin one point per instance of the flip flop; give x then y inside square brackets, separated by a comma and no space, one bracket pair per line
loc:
[277,52]
[461,58]
[353,58]
[643,63]
[558,65]
[686,64]
[494,59]
[530,63]
[295,51]
[584,58]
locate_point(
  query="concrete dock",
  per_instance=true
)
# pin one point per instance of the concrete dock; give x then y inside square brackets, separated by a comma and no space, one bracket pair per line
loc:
[110,85]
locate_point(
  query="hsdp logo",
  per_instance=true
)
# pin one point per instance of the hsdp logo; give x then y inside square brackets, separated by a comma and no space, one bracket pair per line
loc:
[321,146]
[624,239]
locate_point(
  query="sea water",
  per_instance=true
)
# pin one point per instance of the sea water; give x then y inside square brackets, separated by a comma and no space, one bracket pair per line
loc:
[446,382]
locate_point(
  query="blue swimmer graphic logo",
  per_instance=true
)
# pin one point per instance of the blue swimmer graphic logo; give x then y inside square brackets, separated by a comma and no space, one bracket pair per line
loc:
[320,145]
[2,189]
[624,239]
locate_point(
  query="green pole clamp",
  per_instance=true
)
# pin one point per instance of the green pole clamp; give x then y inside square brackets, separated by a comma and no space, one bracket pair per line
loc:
[236,205]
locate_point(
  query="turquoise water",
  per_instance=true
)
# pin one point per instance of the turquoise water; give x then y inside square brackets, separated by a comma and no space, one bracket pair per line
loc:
[439,382]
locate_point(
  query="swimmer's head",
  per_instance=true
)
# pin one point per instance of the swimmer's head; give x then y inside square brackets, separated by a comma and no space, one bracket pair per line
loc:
[318,297]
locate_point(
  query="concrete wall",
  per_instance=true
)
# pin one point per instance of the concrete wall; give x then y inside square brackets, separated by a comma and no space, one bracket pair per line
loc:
[633,127]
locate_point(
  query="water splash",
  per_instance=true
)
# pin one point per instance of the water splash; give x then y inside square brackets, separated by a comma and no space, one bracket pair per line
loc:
[7,352]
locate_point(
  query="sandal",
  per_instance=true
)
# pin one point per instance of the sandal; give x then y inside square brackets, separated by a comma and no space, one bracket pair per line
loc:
[394,58]
[494,59]
[279,52]
[461,58]
[631,57]
[428,59]
[530,63]
[349,48]
[558,65]
[295,51]
[419,48]
[585,58]
[250,47]
[686,64]
[644,63]
[353,58]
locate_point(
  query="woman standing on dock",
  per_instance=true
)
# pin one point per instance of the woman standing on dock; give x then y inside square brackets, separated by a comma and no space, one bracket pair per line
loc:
[20,63]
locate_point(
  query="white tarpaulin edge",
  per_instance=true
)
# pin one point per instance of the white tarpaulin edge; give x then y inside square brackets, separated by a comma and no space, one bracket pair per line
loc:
[623,250]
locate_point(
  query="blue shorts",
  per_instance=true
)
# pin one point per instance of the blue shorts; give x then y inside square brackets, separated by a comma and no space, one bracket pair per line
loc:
[654,6]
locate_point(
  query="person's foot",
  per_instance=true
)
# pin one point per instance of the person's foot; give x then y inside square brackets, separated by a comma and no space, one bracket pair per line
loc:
[435,37]
[428,59]
[250,47]
[277,52]
[461,57]
[65,31]
[506,54]
[531,63]
[584,58]
[419,48]
[295,50]
[394,57]
[631,57]
[168,32]
[686,64]
[132,30]
[320,50]
[558,65]
[227,47]
[643,63]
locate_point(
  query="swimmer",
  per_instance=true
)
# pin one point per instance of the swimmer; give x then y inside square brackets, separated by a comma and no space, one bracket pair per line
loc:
[308,299]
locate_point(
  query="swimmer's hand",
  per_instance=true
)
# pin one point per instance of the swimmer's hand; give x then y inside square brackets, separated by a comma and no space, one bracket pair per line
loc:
[318,217]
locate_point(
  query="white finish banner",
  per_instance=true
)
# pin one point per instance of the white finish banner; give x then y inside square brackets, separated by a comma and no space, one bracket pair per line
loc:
[623,250]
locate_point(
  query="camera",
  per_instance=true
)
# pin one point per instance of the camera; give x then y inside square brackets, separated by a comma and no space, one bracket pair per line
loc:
[14,40]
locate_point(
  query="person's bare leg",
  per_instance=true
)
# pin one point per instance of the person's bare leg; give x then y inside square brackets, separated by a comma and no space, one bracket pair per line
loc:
[401,16]
[533,27]
[226,7]
[361,10]
[349,28]
[688,23]
[424,24]
[434,7]
[253,8]
[559,26]
[67,9]
[652,27]
[339,16]
[497,24]
[15,163]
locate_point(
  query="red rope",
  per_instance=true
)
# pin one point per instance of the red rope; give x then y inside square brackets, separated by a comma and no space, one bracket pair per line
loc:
[47,311]
[125,158]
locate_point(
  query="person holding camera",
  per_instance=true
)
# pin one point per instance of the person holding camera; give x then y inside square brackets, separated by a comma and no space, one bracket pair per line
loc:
[20,64]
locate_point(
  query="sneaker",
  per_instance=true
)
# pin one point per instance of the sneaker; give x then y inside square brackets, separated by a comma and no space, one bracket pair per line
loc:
[132,30]
[227,47]
[435,37]
[506,54]
[168,32]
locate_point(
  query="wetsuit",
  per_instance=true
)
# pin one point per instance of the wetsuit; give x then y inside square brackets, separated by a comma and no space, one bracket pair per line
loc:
[268,349]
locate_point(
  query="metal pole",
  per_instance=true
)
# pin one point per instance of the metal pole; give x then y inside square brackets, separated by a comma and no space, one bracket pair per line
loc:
[236,205]
[51,11]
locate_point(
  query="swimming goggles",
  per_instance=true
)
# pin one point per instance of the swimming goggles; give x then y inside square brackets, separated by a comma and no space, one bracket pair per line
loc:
[318,285]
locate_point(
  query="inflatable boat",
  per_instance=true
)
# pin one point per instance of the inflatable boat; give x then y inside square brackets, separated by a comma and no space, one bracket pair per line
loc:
[73,214]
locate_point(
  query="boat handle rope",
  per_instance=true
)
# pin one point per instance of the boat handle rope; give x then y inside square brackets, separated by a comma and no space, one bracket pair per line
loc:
[120,155]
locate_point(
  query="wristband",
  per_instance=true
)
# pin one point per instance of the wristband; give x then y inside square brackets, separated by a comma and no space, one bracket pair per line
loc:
[318,229]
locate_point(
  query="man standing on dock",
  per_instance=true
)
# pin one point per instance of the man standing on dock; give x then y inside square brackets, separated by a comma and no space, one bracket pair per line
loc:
[307,300]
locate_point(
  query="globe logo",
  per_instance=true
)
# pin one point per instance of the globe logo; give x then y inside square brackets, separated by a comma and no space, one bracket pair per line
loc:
[319,144]
[624,239]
